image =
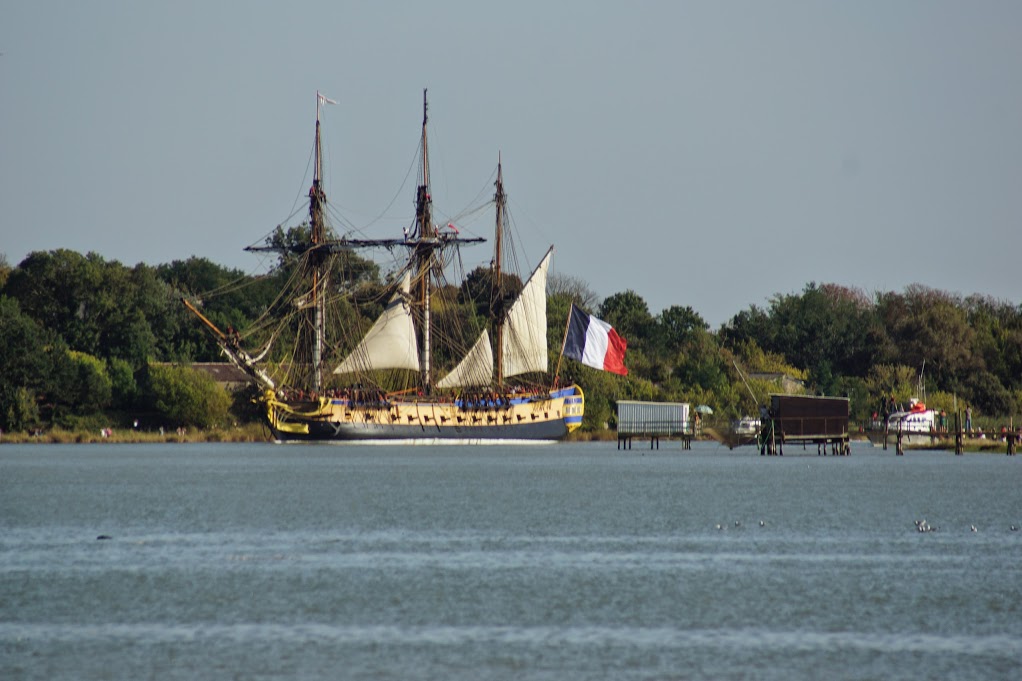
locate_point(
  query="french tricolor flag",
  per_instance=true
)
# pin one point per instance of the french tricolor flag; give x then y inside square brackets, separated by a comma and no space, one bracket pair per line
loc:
[595,343]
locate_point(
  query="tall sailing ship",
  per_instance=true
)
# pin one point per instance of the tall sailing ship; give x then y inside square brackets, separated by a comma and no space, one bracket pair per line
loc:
[429,369]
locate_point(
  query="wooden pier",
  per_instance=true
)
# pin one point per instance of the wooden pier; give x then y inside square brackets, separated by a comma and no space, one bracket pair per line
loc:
[805,420]
[654,433]
[1009,435]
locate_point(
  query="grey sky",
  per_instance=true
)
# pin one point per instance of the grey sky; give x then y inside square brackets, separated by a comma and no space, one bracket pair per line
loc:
[699,153]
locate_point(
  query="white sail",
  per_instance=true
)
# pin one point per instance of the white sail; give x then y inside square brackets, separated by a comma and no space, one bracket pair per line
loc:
[390,343]
[475,369]
[525,328]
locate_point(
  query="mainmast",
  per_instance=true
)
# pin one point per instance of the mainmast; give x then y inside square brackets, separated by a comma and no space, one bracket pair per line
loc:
[497,287]
[317,202]
[423,240]
[426,238]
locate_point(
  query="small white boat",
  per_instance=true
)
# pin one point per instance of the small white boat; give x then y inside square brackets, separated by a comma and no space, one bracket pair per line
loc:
[743,431]
[917,425]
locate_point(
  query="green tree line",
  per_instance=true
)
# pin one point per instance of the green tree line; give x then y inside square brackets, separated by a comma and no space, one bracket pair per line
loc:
[87,342]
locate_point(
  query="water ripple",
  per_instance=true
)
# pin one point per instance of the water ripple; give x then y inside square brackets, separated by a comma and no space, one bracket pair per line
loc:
[1002,646]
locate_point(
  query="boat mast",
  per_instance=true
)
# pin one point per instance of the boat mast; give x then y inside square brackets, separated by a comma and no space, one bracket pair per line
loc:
[497,287]
[317,201]
[426,238]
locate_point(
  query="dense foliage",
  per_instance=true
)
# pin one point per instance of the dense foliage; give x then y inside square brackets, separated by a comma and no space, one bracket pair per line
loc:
[922,340]
[85,338]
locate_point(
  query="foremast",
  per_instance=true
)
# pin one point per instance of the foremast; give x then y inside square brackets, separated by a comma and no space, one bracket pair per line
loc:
[317,252]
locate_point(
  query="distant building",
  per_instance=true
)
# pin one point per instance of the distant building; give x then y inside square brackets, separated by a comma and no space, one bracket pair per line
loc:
[226,374]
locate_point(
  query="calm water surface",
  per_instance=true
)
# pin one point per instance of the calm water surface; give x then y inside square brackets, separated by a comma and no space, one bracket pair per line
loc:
[564,562]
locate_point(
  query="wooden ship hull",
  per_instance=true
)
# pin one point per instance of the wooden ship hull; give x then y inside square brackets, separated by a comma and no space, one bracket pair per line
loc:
[536,418]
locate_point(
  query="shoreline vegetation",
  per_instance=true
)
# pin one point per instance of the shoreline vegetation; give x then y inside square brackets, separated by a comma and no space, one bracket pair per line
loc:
[257,432]
[87,343]
[253,432]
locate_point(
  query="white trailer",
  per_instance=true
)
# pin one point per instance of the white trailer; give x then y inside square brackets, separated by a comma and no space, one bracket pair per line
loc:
[653,420]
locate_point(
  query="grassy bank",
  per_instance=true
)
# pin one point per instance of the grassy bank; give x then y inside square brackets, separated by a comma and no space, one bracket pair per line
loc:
[253,432]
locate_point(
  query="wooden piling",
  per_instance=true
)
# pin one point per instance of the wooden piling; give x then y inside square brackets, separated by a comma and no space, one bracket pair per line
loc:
[959,443]
[1011,436]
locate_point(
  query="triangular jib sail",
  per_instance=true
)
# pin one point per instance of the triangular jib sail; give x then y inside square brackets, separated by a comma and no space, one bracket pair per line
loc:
[525,346]
[390,343]
[475,370]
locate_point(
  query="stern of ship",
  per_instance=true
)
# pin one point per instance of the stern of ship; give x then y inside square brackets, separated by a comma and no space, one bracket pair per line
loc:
[574,406]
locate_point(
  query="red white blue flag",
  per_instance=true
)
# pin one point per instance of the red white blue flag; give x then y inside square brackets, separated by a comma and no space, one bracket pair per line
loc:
[595,343]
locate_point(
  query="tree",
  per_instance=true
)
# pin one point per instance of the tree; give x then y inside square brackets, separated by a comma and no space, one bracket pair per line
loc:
[478,289]
[828,330]
[5,270]
[897,381]
[930,326]
[58,290]
[186,397]
[998,340]
[123,388]
[629,315]
[989,395]
[24,366]
[19,409]
[677,326]
[88,389]
[755,360]
[100,308]
[572,288]
[700,365]
[227,297]
[22,339]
